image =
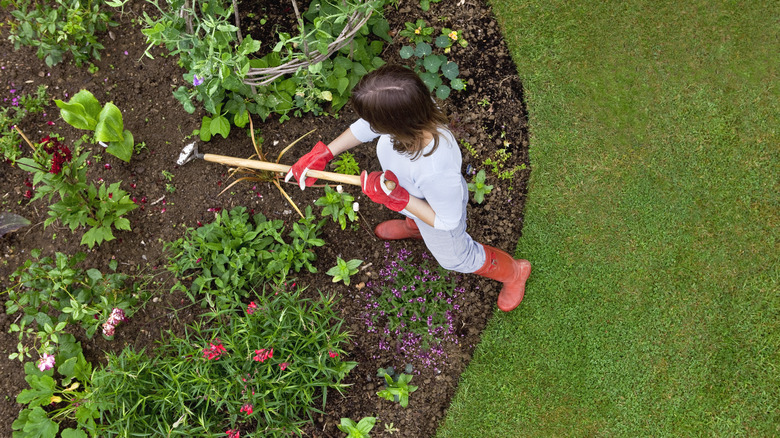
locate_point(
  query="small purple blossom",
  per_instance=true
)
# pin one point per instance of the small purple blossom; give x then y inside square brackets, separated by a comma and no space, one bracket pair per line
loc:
[196,80]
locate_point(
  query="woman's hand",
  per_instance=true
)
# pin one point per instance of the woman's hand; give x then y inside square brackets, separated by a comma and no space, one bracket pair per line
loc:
[316,159]
[375,187]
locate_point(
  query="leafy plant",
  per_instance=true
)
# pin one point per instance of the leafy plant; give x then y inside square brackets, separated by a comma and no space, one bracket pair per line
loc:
[346,164]
[412,305]
[10,140]
[498,161]
[338,205]
[83,111]
[431,67]
[344,270]
[359,429]
[52,293]
[448,38]
[397,388]
[205,38]
[417,32]
[256,367]
[67,397]
[235,254]
[59,27]
[58,171]
[479,187]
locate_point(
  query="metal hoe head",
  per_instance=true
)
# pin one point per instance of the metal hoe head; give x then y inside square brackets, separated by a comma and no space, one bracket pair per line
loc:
[189,153]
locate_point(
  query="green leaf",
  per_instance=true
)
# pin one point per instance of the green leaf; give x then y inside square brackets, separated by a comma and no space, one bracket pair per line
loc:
[205,128]
[39,425]
[40,392]
[432,63]
[450,70]
[443,92]
[442,41]
[73,433]
[220,125]
[183,96]
[75,115]
[366,424]
[109,126]
[458,84]
[122,149]
[406,52]
[422,50]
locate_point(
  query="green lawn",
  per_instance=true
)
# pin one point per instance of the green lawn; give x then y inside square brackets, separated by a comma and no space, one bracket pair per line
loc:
[651,223]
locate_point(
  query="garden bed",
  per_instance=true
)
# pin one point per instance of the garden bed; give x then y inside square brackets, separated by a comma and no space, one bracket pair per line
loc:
[489,115]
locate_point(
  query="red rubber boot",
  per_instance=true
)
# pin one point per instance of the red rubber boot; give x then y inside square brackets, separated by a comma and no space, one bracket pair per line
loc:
[513,273]
[398,229]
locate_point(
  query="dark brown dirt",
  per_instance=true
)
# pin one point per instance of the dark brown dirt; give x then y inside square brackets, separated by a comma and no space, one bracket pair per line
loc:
[489,112]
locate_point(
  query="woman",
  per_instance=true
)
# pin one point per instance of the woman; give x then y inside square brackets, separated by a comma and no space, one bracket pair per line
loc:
[422,158]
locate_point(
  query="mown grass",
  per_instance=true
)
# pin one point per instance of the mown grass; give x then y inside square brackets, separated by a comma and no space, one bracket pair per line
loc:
[651,223]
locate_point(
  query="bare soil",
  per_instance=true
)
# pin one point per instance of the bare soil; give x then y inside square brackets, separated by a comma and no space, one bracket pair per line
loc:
[490,112]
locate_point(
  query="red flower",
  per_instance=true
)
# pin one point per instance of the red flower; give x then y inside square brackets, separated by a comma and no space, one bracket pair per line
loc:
[332,354]
[263,354]
[283,365]
[251,308]
[247,408]
[214,352]
[233,433]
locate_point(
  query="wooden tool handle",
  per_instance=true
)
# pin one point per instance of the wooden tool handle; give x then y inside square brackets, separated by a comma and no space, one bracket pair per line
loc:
[276,167]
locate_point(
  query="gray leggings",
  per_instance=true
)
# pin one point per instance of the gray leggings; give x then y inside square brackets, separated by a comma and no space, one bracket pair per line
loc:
[454,249]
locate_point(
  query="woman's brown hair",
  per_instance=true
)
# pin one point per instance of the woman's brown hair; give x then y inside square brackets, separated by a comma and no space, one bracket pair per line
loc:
[395,101]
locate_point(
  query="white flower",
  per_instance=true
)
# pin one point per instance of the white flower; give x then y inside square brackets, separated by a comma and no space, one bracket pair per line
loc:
[339,188]
[355,206]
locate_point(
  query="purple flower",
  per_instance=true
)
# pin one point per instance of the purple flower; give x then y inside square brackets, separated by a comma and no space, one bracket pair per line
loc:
[46,362]
[196,80]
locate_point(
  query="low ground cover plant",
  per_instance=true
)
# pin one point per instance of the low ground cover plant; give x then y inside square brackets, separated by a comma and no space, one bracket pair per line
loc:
[10,116]
[338,205]
[259,369]
[51,293]
[397,388]
[413,304]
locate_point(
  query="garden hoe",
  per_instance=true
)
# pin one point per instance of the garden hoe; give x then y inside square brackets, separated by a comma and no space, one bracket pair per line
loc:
[190,152]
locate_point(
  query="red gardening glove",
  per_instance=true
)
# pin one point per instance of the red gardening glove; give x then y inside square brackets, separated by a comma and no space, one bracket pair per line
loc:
[374,185]
[316,159]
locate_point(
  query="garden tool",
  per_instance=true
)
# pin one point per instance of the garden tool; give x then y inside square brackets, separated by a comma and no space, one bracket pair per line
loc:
[190,152]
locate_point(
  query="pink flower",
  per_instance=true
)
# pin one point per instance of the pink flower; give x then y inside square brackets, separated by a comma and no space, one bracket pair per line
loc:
[214,352]
[247,408]
[332,354]
[283,365]
[251,308]
[262,354]
[233,433]
[46,362]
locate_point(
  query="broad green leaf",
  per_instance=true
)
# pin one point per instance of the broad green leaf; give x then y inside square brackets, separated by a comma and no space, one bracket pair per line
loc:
[110,127]
[442,41]
[183,96]
[422,50]
[89,102]
[73,433]
[205,128]
[406,52]
[122,149]
[75,115]
[432,63]
[39,425]
[220,125]
[458,84]
[40,392]
[450,70]
[443,92]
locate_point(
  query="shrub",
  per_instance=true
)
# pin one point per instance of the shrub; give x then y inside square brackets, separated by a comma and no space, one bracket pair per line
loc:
[235,255]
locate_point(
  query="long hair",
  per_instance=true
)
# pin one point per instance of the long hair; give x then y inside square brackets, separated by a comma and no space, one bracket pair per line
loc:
[395,101]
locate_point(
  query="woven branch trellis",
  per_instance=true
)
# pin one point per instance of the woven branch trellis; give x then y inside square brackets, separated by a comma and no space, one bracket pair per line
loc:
[264,76]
